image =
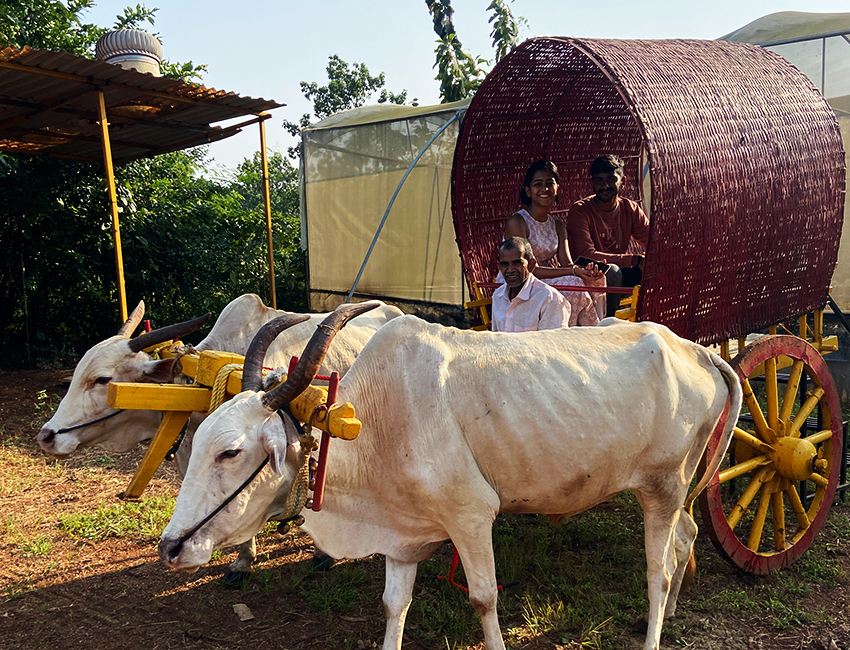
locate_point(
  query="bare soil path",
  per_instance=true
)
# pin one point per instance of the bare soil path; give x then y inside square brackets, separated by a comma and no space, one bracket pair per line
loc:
[62,592]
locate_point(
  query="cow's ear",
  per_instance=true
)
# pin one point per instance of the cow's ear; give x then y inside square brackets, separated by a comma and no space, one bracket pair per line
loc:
[273,438]
[160,372]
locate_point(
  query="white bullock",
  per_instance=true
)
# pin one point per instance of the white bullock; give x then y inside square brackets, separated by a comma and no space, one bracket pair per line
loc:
[84,419]
[78,422]
[459,426]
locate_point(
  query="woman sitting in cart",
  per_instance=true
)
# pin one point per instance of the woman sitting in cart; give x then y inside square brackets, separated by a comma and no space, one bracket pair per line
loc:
[548,237]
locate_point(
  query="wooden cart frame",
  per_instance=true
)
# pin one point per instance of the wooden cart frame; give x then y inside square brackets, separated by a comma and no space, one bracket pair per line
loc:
[739,161]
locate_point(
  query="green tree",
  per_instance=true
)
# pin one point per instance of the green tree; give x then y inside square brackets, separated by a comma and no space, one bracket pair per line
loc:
[349,86]
[505,32]
[459,73]
[190,243]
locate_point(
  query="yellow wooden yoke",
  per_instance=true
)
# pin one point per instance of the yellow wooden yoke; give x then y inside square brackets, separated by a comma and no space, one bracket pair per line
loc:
[179,401]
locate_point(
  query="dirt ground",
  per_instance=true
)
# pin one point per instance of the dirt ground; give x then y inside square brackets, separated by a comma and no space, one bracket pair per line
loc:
[115,594]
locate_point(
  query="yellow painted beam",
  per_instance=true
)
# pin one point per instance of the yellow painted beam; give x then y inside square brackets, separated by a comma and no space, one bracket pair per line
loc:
[170,427]
[267,204]
[158,397]
[113,204]
[340,421]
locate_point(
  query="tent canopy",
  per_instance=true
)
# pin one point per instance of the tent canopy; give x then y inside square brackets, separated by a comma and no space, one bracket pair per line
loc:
[352,164]
[787,26]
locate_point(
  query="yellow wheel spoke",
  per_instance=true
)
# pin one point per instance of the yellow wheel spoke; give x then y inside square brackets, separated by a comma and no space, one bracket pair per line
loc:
[760,423]
[772,393]
[820,436]
[759,519]
[804,412]
[752,441]
[764,474]
[743,468]
[791,390]
[818,480]
[797,507]
[778,521]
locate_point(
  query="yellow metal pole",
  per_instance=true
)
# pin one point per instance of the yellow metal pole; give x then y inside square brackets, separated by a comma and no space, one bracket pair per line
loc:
[113,203]
[170,427]
[268,204]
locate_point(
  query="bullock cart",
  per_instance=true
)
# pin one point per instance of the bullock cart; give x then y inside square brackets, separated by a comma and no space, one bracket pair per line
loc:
[739,164]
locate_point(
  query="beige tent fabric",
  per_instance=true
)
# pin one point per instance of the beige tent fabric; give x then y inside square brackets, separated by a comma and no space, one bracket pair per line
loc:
[352,164]
[822,52]
[789,25]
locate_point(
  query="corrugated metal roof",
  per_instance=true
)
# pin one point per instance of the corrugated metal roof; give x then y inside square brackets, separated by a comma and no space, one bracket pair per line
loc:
[49,106]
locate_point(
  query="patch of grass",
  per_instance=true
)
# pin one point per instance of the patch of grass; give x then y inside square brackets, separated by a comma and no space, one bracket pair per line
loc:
[143,520]
[335,590]
[839,523]
[45,405]
[785,616]
[20,472]
[815,567]
[18,589]
[40,546]
[581,580]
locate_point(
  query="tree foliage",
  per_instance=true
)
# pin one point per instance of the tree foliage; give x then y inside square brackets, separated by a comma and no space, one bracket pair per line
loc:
[459,73]
[349,86]
[505,32]
[190,243]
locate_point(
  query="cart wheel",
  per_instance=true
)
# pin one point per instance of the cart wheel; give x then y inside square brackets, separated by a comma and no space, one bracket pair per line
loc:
[754,495]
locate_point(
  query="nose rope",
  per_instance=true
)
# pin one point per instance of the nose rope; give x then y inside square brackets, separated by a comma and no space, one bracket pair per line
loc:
[184,538]
[175,550]
[86,424]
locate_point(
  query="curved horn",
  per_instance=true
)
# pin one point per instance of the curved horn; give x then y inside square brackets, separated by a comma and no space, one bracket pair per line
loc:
[252,370]
[167,333]
[133,321]
[314,354]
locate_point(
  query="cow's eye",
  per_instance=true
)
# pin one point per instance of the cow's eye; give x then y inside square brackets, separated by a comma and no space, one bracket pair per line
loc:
[102,381]
[230,453]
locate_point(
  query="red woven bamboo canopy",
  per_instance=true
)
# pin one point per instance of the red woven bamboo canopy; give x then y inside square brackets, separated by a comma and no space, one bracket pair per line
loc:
[743,157]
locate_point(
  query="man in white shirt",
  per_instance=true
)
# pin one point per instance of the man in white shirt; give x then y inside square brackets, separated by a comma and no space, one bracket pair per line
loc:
[524,303]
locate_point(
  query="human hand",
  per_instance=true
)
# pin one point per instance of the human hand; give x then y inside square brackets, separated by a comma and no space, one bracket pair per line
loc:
[589,272]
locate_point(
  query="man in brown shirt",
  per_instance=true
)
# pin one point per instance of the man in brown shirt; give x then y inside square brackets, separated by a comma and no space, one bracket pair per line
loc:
[600,227]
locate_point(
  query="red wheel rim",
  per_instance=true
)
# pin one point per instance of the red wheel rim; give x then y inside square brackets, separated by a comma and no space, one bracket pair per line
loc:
[757,524]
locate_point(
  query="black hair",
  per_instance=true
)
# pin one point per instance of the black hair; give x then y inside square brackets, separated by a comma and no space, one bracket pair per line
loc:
[605,164]
[520,244]
[535,167]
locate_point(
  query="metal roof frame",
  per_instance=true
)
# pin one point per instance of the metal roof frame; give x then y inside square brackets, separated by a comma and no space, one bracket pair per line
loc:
[56,104]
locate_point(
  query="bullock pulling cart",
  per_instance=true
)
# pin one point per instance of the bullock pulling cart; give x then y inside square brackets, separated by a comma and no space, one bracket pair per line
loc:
[740,162]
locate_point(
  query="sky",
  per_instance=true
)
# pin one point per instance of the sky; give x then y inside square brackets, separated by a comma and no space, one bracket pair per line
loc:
[264,48]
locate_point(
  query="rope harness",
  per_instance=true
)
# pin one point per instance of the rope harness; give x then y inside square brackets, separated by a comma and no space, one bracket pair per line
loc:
[219,389]
[87,424]
[451,576]
[296,499]
[155,355]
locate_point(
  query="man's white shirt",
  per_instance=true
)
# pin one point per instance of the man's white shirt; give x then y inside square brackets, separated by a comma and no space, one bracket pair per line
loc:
[537,306]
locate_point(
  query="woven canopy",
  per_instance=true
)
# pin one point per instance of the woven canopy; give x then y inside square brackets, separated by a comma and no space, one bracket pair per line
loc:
[49,106]
[742,156]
